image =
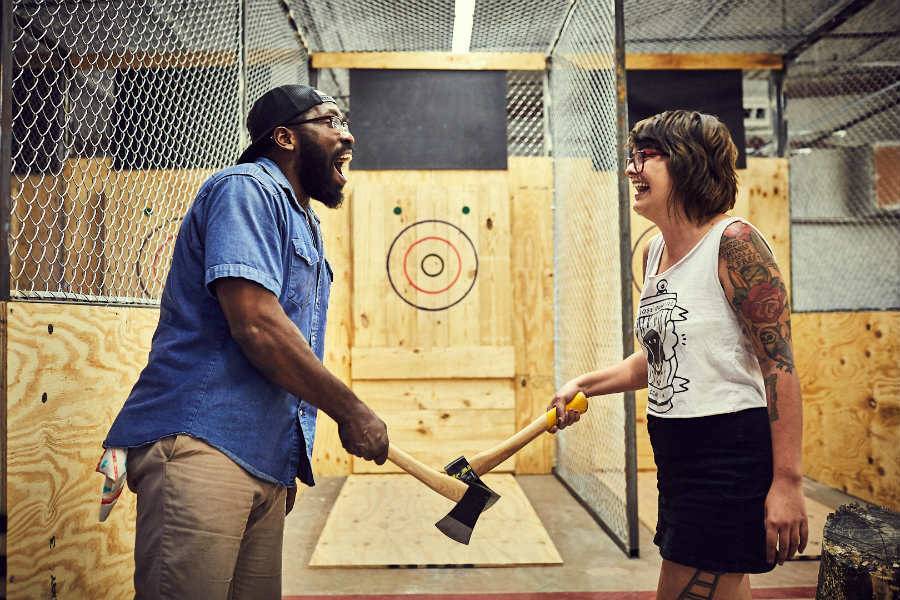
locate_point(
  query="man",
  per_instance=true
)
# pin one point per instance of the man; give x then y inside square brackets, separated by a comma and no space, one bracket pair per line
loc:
[222,419]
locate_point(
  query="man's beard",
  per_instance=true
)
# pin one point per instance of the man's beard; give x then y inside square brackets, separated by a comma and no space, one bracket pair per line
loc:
[316,175]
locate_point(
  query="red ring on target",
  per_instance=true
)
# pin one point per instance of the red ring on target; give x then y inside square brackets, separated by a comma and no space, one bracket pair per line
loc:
[425,239]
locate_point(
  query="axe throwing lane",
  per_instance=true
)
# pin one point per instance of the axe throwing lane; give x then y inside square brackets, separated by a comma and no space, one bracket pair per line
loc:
[395,516]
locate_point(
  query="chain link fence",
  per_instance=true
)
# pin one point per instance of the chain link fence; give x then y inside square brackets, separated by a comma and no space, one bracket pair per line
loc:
[595,459]
[843,117]
[119,111]
[842,114]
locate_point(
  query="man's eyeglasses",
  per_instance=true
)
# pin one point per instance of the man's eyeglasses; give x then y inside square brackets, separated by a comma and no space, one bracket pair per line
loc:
[638,157]
[333,121]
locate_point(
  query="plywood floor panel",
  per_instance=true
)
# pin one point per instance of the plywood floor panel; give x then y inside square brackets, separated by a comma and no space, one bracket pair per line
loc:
[388,520]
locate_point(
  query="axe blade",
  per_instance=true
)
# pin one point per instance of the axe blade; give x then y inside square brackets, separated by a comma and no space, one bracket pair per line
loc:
[462,470]
[460,521]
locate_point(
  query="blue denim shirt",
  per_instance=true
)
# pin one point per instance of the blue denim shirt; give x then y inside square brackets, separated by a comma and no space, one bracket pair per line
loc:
[245,222]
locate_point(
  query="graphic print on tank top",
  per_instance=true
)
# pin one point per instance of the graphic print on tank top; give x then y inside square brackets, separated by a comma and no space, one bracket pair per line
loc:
[656,332]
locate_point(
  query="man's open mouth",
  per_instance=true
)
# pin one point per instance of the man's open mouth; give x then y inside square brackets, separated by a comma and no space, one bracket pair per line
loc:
[340,163]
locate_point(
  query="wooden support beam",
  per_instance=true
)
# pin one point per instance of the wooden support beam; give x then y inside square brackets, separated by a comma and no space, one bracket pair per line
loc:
[702,62]
[473,61]
[535,61]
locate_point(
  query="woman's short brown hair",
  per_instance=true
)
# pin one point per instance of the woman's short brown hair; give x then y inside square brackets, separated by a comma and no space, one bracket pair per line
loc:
[701,162]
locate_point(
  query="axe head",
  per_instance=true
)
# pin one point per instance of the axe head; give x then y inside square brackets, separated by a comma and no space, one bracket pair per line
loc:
[460,521]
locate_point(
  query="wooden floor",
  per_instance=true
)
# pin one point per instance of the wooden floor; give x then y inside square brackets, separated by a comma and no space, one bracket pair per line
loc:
[388,520]
[593,567]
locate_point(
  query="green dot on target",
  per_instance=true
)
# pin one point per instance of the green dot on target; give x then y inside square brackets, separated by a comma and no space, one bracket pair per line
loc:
[465,210]
[397,210]
[148,211]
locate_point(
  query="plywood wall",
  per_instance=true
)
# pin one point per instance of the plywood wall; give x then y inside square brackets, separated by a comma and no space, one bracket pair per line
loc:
[531,206]
[69,370]
[522,212]
[850,375]
[329,457]
[424,326]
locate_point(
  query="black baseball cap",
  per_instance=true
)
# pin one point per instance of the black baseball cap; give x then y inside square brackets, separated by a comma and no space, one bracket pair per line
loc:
[276,107]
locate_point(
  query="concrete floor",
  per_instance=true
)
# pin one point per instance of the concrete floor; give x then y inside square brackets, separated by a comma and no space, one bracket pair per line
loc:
[592,562]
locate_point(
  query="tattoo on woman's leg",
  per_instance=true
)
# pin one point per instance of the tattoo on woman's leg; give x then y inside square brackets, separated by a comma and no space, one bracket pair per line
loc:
[700,588]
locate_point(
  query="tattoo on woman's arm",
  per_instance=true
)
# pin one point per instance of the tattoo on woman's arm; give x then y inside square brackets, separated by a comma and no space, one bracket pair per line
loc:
[760,297]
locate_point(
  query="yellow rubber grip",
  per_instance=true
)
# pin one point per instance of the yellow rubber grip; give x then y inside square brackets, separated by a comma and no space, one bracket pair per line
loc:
[578,403]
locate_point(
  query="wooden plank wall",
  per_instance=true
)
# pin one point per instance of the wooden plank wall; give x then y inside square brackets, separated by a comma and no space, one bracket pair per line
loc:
[441,355]
[531,205]
[329,457]
[63,391]
[530,191]
[69,228]
[850,377]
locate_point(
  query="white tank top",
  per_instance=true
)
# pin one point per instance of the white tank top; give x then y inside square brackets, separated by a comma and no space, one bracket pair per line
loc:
[699,362]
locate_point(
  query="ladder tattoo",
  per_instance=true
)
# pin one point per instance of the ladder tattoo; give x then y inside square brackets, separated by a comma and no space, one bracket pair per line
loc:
[700,589]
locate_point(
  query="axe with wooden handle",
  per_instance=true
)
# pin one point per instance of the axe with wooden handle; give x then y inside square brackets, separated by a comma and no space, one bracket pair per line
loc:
[461,482]
[459,522]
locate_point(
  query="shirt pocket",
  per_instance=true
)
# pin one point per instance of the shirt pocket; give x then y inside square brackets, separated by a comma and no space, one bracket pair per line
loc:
[304,265]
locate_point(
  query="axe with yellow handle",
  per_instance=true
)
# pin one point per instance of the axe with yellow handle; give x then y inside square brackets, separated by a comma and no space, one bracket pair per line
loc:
[460,481]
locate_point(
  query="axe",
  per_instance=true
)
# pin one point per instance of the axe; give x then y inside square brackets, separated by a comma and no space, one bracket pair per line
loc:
[462,483]
[459,522]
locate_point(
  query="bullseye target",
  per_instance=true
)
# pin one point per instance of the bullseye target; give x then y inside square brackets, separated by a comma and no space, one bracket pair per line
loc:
[432,264]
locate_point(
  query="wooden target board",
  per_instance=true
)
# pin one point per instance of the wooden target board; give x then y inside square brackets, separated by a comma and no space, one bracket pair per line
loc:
[432,305]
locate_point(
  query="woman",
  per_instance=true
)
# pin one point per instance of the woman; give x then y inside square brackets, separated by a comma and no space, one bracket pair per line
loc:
[724,412]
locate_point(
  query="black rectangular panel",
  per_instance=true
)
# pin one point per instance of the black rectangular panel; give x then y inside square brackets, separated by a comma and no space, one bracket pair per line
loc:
[415,119]
[718,93]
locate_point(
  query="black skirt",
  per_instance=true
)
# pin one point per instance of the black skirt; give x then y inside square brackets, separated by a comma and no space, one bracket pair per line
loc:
[713,475]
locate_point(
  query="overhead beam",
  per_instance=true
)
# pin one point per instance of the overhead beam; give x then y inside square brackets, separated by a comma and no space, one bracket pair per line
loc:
[703,61]
[472,61]
[534,61]
[830,20]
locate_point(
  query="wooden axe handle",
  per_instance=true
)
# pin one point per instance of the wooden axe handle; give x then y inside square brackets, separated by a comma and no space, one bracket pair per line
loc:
[443,484]
[484,462]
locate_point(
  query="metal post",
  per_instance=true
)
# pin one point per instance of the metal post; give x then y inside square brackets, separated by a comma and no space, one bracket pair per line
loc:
[547,105]
[632,543]
[776,104]
[244,137]
[6,93]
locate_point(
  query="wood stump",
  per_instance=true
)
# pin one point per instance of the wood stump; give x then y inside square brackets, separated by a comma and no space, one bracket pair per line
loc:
[860,555]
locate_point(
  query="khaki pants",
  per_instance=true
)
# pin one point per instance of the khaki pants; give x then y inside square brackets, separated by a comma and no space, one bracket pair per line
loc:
[206,528]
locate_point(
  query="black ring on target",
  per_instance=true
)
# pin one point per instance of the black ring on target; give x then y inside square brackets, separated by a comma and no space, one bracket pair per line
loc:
[387,264]
[440,268]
